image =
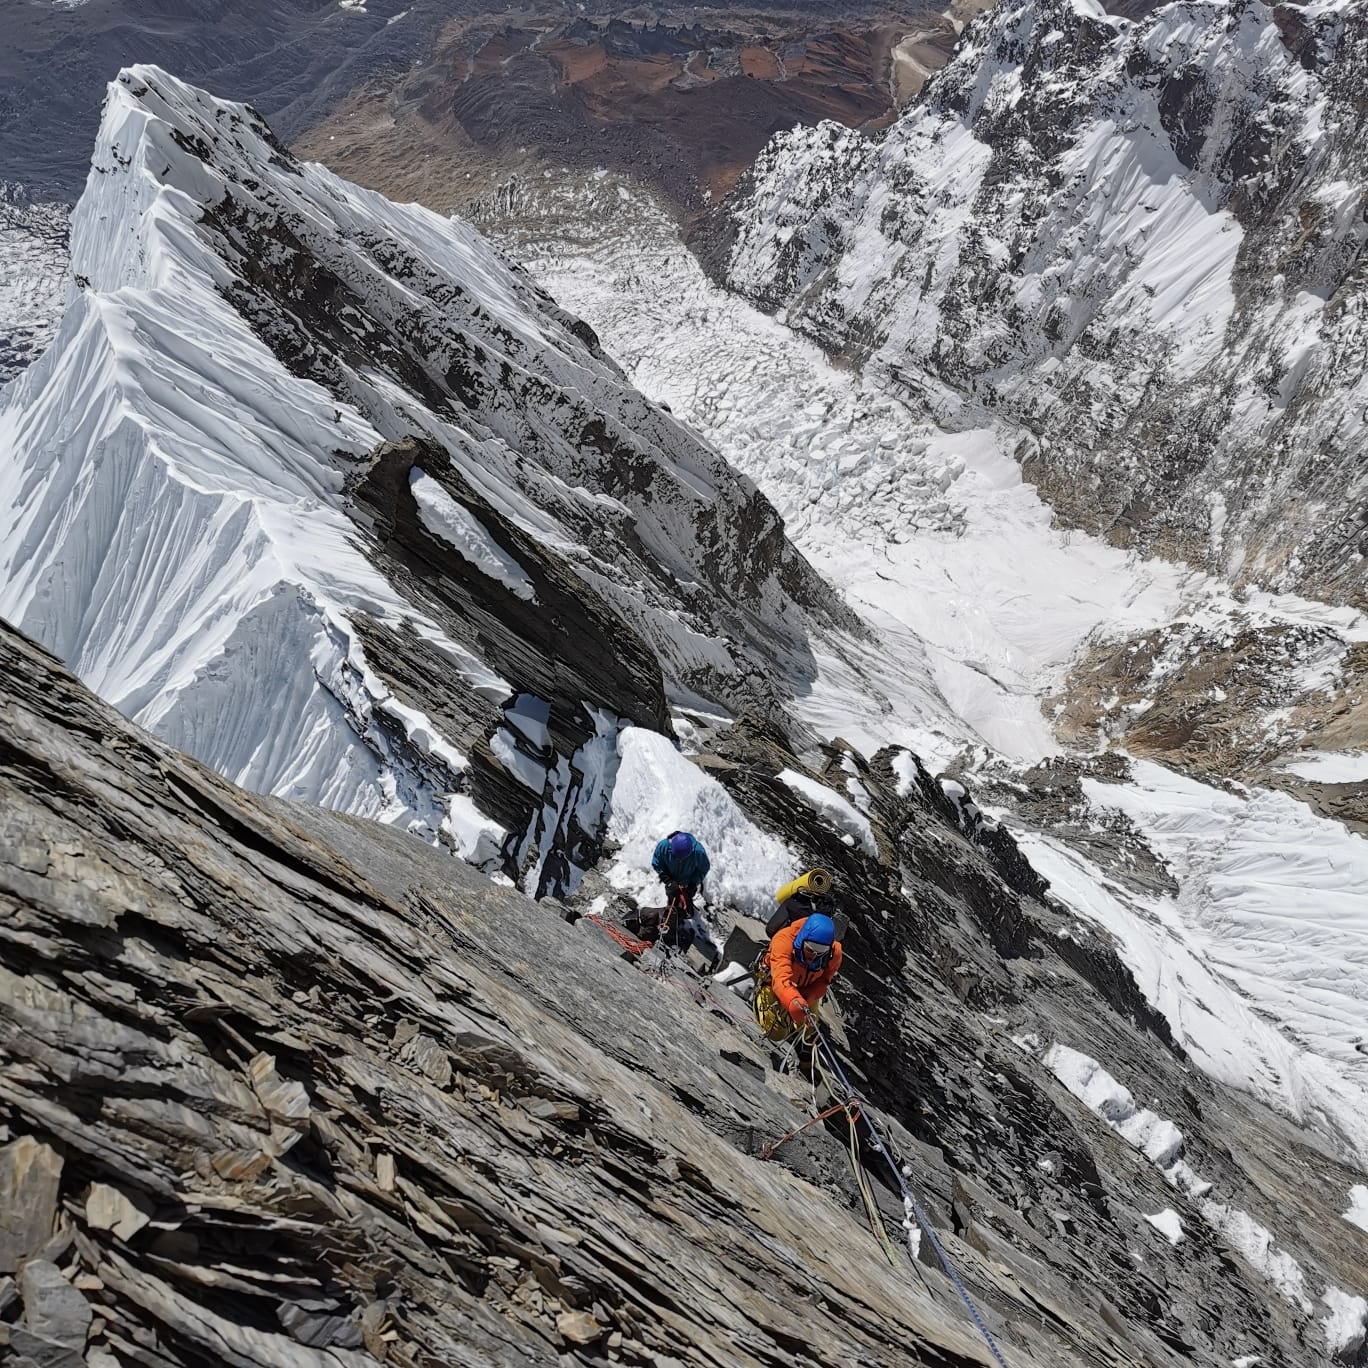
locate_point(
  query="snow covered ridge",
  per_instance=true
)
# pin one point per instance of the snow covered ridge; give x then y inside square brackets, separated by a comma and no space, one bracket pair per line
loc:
[323,490]
[1161,1142]
[1137,239]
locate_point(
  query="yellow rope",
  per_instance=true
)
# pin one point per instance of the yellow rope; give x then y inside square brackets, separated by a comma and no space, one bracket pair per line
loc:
[876,1222]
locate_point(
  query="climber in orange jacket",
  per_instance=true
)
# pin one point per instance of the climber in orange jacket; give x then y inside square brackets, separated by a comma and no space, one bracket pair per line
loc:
[802,960]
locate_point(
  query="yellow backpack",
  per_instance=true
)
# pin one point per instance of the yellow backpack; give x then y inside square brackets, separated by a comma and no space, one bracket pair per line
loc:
[805,887]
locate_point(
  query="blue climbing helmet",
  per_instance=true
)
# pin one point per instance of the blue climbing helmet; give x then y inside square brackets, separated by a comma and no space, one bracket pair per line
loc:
[814,940]
[681,844]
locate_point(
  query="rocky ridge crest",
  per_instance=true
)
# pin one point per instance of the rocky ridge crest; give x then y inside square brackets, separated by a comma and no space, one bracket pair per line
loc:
[272,1103]
[300,452]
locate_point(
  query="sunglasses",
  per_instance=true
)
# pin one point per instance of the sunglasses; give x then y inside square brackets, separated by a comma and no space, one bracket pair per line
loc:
[813,952]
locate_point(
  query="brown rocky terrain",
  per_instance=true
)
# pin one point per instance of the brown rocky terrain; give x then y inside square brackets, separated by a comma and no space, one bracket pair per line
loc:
[1227,704]
[682,99]
[294,59]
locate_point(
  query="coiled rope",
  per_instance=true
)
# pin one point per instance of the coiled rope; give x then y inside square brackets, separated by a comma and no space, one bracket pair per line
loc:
[851,1108]
[632,944]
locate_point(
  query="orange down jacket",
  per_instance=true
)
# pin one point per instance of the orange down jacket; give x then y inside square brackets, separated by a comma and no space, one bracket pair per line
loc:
[790,978]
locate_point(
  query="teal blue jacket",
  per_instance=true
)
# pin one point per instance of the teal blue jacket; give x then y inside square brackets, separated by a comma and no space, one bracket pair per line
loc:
[689,870]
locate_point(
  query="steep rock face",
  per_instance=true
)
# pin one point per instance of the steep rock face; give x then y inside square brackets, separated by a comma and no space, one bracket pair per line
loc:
[203,518]
[270,1101]
[1141,240]
[277,1110]
[961,973]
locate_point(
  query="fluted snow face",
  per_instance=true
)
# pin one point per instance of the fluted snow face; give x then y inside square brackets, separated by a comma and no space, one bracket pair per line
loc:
[173,493]
[1141,240]
[193,516]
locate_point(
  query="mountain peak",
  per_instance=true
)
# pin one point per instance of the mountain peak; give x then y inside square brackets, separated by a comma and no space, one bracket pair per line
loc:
[300,452]
[1141,242]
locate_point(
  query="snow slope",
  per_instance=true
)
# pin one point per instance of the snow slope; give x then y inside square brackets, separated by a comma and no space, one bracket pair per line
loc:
[198,515]
[1142,241]
[1260,962]
[658,790]
[1162,1143]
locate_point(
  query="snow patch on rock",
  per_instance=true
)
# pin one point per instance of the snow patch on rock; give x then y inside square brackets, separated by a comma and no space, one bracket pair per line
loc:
[457,526]
[1169,1224]
[657,791]
[1161,1142]
[1357,1213]
[1346,1327]
[838,810]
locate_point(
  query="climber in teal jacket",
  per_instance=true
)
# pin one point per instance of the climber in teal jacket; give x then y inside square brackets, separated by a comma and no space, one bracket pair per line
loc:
[681,859]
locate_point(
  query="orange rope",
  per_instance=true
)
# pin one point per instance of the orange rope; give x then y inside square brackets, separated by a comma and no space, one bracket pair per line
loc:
[767,1150]
[631,944]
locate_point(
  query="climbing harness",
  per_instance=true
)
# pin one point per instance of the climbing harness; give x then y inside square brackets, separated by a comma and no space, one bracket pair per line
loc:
[677,905]
[770,1014]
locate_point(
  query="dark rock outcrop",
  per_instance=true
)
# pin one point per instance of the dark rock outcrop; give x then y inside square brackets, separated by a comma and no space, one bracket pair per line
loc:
[288,1087]
[268,1103]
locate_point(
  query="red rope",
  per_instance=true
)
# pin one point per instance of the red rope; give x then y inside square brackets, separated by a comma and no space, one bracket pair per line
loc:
[631,944]
[677,902]
[767,1150]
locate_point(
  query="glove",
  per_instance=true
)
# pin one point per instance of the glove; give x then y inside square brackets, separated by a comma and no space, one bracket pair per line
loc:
[798,1010]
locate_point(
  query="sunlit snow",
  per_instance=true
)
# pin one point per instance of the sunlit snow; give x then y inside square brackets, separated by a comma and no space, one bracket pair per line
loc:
[1330,767]
[460,528]
[837,809]
[1168,1223]
[1357,1214]
[1347,1324]
[656,791]
[979,603]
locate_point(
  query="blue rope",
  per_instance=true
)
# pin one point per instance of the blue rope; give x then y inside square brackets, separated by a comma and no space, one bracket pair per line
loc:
[911,1202]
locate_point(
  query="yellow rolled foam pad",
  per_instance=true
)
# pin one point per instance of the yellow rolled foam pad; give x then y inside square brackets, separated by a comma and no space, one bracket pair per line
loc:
[815,882]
